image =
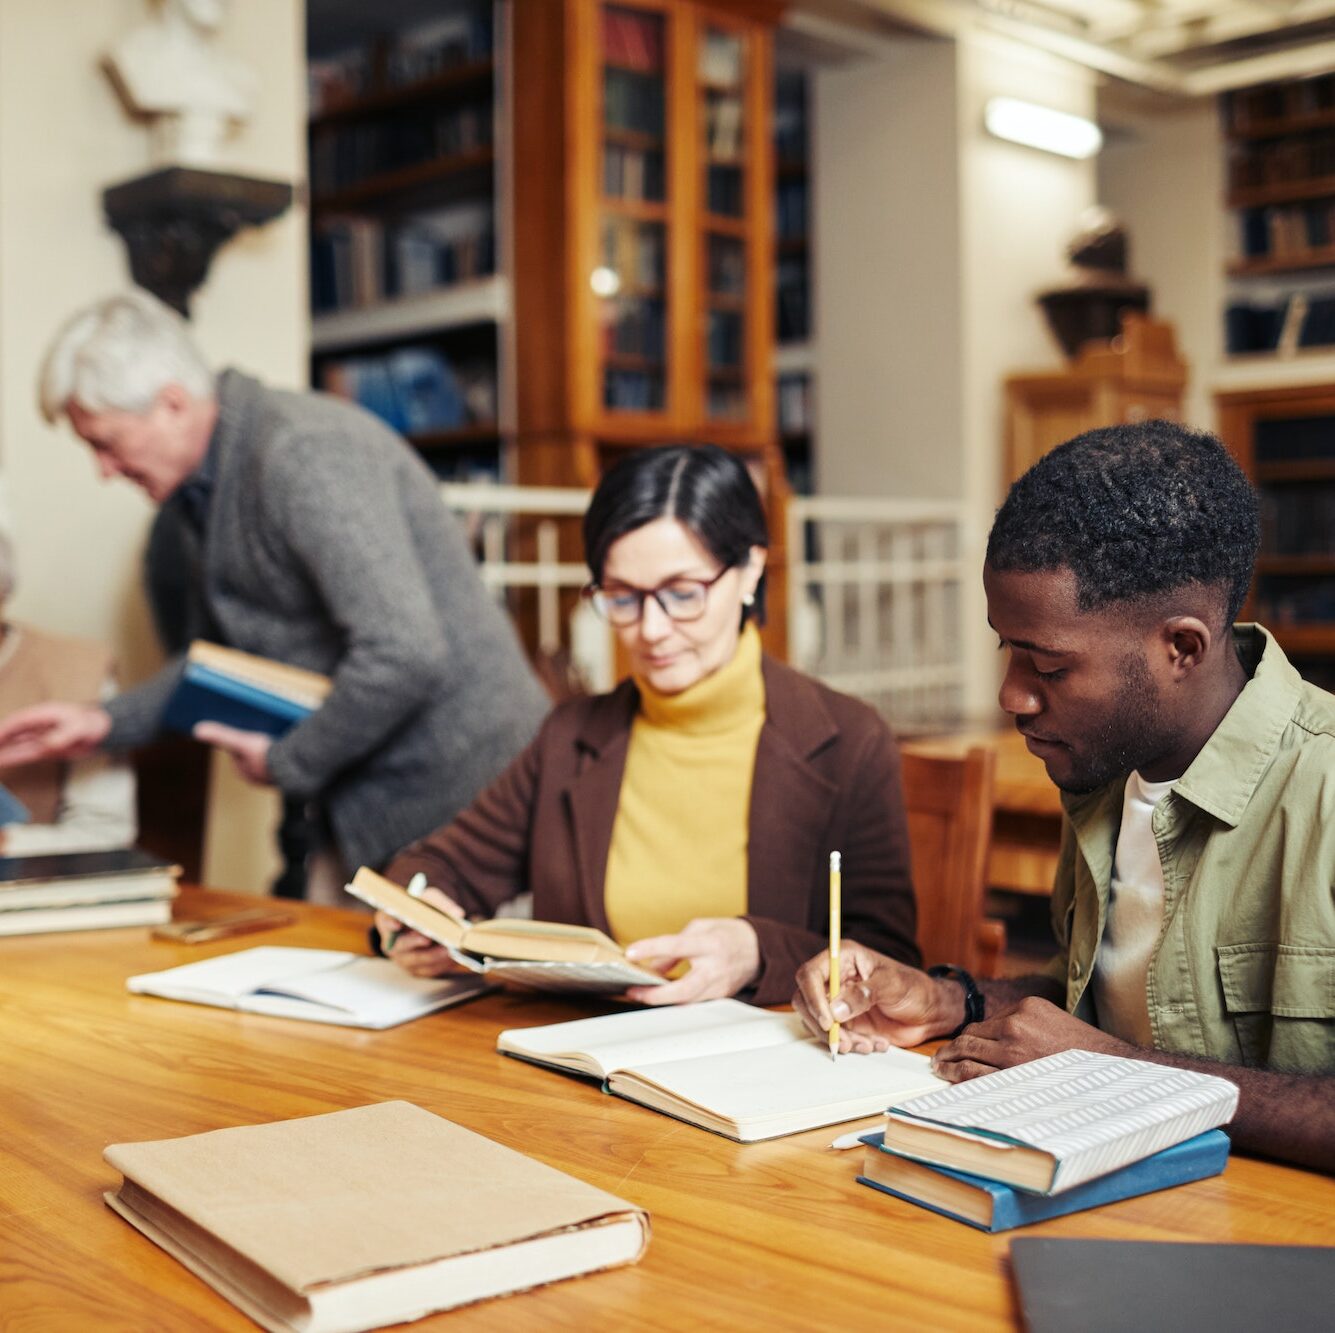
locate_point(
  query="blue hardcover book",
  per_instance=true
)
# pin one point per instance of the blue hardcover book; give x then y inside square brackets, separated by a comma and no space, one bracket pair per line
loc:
[12,810]
[222,685]
[991,1206]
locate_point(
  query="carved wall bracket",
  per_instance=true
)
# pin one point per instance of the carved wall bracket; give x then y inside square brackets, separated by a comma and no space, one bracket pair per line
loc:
[173,222]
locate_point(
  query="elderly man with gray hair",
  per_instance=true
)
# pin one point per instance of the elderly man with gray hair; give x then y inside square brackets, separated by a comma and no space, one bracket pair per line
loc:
[318,540]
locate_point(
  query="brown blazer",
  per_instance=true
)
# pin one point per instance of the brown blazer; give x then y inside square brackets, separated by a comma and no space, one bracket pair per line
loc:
[826,779]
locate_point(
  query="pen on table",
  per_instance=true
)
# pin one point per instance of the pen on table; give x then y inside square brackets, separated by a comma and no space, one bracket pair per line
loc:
[415,888]
[836,930]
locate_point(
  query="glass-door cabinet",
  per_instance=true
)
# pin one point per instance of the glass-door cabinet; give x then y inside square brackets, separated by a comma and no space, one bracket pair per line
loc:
[671,220]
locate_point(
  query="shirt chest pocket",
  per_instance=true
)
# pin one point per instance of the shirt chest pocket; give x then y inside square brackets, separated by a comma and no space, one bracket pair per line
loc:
[1281,1000]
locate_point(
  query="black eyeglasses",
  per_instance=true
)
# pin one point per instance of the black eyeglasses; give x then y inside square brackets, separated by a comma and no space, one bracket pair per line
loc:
[680,599]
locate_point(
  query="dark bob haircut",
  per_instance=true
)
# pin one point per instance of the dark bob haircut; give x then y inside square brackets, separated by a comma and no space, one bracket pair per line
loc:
[707,489]
[1134,511]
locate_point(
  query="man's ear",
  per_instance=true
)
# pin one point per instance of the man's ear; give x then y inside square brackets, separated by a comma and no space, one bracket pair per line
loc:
[176,398]
[1186,641]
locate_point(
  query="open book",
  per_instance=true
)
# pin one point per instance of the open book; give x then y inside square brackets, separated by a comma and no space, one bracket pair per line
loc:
[1053,1123]
[303,1225]
[319,985]
[242,690]
[543,955]
[728,1067]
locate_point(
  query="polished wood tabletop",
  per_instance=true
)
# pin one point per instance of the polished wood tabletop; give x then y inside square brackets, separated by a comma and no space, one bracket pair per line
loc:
[773,1235]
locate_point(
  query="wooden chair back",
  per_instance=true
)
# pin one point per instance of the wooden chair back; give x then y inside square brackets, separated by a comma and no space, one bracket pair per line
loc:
[949,804]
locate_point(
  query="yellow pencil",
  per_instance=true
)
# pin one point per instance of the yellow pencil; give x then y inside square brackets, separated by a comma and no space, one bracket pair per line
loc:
[836,930]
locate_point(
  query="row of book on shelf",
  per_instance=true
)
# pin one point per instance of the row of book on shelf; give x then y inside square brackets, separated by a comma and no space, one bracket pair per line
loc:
[725,339]
[1289,600]
[460,35]
[1265,326]
[790,116]
[632,40]
[1280,161]
[794,403]
[343,155]
[416,389]
[357,261]
[727,265]
[633,390]
[635,327]
[724,184]
[636,252]
[790,208]
[1287,231]
[1245,108]
[1296,519]
[633,173]
[633,102]
[792,298]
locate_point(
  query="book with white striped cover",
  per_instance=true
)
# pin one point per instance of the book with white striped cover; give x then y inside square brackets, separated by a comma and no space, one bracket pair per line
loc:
[1057,1122]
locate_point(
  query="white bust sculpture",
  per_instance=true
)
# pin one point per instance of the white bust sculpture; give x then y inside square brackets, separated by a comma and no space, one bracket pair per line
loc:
[167,70]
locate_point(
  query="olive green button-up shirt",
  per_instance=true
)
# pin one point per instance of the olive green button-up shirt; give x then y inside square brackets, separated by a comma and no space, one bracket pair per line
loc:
[1244,966]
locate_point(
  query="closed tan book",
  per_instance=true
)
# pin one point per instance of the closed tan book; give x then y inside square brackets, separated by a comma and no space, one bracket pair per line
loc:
[300,1224]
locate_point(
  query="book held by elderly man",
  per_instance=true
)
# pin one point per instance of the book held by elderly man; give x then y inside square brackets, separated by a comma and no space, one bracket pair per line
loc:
[242,690]
[300,1224]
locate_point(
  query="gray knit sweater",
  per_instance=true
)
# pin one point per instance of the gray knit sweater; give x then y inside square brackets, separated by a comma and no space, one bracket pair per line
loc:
[327,547]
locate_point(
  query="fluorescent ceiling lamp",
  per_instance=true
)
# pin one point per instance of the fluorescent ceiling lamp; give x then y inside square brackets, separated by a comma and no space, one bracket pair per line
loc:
[1042,127]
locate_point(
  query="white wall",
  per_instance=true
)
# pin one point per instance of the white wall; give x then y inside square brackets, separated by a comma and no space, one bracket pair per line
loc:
[63,137]
[886,282]
[932,241]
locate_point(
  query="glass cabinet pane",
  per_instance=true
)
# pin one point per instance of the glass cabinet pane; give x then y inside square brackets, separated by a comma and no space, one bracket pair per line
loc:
[721,72]
[631,277]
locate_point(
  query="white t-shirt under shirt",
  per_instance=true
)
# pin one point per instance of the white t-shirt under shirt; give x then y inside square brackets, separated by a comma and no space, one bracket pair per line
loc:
[1135,914]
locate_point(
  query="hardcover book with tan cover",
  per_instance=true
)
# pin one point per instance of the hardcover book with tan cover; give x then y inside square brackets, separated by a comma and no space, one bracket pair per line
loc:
[299,1224]
[543,955]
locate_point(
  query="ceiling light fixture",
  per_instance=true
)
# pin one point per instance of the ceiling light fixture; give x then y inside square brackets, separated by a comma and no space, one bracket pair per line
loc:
[1042,127]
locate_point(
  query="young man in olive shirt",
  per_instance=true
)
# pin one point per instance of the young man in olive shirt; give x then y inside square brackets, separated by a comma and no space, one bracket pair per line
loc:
[1195,895]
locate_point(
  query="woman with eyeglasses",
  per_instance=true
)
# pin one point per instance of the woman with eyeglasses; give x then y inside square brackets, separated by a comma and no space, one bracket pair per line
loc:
[689,813]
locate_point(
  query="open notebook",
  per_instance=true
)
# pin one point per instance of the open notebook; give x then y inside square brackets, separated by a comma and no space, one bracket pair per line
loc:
[542,955]
[728,1067]
[319,985]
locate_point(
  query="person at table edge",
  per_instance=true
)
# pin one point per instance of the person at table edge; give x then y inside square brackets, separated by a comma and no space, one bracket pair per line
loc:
[1194,899]
[690,812]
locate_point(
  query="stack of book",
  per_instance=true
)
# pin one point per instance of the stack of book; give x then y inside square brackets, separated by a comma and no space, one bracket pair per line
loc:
[84,891]
[1054,1136]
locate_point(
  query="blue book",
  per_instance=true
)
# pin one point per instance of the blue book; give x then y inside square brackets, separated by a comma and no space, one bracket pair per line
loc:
[12,810]
[241,690]
[991,1206]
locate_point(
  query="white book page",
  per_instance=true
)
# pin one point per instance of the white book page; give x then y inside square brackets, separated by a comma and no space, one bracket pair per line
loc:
[653,1036]
[589,978]
[789,1087]
[231,976]
[370,988]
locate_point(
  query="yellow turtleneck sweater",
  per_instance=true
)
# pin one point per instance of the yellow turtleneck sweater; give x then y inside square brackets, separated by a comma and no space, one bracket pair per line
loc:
[679,842]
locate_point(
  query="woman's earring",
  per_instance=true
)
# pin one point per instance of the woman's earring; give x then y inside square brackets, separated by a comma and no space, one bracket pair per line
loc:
[748,599]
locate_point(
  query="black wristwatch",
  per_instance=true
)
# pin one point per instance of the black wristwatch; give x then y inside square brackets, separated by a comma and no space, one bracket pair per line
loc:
[973,997]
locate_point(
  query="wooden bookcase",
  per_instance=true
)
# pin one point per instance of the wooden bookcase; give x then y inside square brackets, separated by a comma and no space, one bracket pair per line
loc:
[643,239]
[1134,377]
[409,299]
[1281,190]
[1284,438]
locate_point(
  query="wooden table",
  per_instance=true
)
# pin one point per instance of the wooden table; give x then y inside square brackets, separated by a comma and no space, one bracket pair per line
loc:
[775,1235]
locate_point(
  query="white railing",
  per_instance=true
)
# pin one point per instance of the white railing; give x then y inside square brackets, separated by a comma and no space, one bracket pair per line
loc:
[492,514]
[873,590]
[874,602]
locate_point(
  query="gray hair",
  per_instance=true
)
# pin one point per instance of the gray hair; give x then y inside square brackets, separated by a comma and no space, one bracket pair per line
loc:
[120,353]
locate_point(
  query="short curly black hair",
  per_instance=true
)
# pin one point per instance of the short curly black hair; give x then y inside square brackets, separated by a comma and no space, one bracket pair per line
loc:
[1133,511]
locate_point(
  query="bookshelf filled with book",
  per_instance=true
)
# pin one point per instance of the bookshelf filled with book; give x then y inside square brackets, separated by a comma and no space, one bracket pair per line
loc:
[407,295]
[643,223]
[1284,438]
[1281,194]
